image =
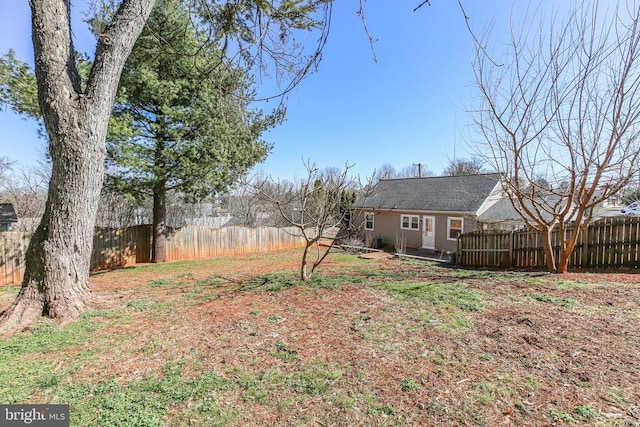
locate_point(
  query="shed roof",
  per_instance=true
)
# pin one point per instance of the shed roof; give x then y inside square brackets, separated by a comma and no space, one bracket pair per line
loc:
[464,193]
[7,213]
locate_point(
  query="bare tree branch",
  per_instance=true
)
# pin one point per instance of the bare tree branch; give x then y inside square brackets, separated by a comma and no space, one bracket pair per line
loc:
[561,121]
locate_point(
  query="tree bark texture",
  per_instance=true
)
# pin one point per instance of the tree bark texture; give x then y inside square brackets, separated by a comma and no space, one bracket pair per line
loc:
[56,281]
[303,264]
[159,248]
[549,253]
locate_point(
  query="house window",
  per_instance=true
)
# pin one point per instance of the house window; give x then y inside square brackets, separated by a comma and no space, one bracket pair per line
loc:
[368,221]
[409,222]
[454,227]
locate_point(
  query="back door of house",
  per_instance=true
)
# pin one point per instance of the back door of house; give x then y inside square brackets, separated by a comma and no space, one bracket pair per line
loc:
[428,232]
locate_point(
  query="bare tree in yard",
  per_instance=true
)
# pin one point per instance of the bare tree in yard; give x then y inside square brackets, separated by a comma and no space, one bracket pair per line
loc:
[116,211]
[5,170]
[318,206]
[560,119]
[457,167]
[387,171]
[27,190]
[248,209]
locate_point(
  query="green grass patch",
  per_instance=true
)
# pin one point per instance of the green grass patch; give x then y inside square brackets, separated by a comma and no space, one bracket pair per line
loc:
[451,294]
[164,283]
[21,366]
[454,322]
[563,416]
[332,281]
[488,391]
[141,304]
[258,388]
[563,302]
[500,276]
[378,409]
[198,295]
[143,402]
[615,395]
[116,314]
[346,257]
[212,282]
[418,263]
[9,291]
[275,282]
[565,285]
[45,337]
[410,384]
[286,352]
[272,282]
[151,304]
[586,412]
[314,380]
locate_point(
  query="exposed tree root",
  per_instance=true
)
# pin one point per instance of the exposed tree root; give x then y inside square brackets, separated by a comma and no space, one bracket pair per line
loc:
[19,315]
[24,310]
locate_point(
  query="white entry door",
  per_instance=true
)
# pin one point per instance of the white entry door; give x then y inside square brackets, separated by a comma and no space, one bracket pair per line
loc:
[428,232]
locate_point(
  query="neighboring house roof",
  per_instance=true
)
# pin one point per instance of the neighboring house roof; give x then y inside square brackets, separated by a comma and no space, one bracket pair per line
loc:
[464,193]
[7,213]
[503,211]
[500,211]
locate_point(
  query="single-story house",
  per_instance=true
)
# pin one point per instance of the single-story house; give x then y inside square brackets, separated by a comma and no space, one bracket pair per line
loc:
[426,213]
[8,216]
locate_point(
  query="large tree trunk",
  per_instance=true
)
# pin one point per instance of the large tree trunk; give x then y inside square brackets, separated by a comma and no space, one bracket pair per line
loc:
[549,253]
[568,247]
[563,262]
[59,254]
[56,281]
[304,274]
[159,249]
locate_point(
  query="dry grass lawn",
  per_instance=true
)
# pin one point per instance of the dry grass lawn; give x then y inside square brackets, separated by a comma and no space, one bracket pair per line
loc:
[241,342]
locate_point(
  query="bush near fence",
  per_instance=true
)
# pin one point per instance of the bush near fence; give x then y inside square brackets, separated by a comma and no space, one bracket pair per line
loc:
[120,247]
[606,243]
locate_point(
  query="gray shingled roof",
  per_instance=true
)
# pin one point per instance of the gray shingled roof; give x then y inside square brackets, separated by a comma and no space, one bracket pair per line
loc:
[500,211]
[464,193]
[7,213]
[503,210]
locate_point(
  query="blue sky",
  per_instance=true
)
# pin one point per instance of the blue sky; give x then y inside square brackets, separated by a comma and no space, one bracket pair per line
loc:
[409,107]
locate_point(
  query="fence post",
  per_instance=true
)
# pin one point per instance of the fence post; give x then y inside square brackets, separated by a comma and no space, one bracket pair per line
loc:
[511,260]
[586,247]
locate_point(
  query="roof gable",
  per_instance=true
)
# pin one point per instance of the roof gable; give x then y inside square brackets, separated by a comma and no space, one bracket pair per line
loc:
[464,193]
[7,213]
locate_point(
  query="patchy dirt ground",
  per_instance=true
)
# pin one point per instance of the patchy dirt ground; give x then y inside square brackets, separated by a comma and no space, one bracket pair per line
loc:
[376,342]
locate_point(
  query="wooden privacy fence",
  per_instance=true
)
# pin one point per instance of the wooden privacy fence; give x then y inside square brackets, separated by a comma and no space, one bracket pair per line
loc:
[196,242]
[606,243]
[13,248]
[120,247]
